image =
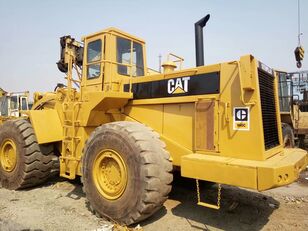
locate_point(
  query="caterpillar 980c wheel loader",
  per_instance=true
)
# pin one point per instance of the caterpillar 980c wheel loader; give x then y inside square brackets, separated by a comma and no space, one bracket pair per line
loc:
[124,130]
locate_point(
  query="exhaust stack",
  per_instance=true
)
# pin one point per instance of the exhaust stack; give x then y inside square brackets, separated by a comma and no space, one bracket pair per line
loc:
[199,40]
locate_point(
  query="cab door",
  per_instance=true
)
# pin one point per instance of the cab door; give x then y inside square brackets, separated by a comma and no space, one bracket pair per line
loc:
[23,104]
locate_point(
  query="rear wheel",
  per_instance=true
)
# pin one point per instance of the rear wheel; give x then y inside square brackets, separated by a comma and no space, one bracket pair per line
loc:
[288,136]
[23,162]
[302,141]
[126,172]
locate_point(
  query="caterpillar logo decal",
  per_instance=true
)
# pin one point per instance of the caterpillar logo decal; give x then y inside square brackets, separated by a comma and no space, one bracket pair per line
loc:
[241,118]
[178,85]
[201,84]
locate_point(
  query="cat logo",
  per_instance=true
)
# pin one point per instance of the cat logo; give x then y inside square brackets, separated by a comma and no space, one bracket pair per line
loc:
[241,118]
[178,85]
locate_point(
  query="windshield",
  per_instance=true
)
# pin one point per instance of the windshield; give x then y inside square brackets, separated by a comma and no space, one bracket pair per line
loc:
[94,56]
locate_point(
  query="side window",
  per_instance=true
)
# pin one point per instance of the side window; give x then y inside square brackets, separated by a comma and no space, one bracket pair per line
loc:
[126,49]
[24,105]
[123,55]
[138,59]
[94,56]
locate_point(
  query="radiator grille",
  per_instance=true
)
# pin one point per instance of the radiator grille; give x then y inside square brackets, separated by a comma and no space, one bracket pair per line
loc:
[268,105]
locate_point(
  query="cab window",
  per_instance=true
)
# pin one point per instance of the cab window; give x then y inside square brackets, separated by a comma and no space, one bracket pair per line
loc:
[14,103]
[138,59]
[129,57]
[94,56]
[24,105]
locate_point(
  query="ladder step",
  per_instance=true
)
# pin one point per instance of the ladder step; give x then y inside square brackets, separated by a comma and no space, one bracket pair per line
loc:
[211,206]
[71,122]
[208,205]
[69,139]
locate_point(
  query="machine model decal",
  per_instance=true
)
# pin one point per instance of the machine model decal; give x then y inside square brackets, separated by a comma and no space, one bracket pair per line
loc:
[241,118]
[207,83]
[266,68]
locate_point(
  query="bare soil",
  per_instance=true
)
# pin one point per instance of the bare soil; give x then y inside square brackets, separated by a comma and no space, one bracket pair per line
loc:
[60,205]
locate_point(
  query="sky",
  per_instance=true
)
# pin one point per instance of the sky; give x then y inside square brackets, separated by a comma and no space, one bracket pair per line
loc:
[30,32]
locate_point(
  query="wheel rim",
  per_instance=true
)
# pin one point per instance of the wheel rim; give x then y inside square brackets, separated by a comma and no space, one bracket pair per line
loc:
[8,155]
[110,174]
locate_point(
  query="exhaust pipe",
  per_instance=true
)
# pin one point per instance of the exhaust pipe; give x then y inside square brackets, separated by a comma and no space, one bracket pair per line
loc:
[199,40]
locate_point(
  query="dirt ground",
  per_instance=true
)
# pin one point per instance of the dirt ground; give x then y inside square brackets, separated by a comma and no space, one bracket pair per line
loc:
[60,205]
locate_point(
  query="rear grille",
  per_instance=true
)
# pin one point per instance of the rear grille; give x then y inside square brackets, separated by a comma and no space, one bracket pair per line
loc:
[268,105]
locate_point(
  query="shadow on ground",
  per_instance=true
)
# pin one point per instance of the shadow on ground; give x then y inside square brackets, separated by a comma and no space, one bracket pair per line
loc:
[240,209]
[72,187]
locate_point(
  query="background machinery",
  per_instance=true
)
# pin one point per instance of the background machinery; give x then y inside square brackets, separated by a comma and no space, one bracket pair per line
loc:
[11,104]
[293,100]
[123,130]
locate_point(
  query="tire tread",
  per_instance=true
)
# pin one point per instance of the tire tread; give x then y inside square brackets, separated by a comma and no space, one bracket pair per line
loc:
[37,164]
[156,168]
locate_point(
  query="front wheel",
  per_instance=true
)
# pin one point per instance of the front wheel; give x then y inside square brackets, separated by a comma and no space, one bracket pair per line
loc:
[23,162]
[126,172]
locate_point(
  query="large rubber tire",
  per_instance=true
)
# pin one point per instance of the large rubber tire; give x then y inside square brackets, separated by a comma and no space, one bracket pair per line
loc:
[288,136]
[148,168]
[301,141]
[34,162]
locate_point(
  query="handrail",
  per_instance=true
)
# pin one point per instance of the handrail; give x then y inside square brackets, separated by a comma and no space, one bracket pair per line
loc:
[178,60]
[241,88]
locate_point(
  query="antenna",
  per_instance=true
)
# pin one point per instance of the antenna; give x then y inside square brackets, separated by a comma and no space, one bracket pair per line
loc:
[159,63]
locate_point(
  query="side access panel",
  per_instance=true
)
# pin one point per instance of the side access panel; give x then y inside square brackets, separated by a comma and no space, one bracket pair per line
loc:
[47,125]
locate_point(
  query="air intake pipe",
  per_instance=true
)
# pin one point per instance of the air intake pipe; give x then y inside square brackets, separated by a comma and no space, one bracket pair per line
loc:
[199,40]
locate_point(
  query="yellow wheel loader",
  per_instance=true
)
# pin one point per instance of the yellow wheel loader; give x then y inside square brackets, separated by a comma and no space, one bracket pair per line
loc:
[124,131]
[12,104]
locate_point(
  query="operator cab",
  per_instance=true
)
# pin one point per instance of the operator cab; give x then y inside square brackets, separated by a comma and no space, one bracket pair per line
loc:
[12,104]
[111,58]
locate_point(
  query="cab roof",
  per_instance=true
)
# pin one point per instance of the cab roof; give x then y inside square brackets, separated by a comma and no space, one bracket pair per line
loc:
[113,30]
